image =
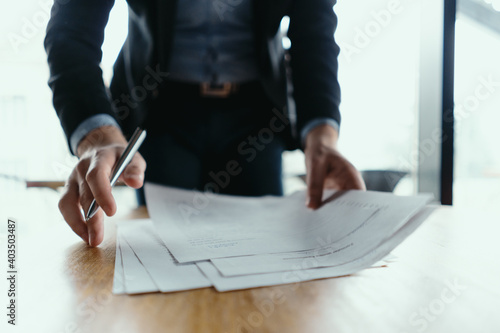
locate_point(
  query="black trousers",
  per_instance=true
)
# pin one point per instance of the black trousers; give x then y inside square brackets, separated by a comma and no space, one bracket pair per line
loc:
[225,145]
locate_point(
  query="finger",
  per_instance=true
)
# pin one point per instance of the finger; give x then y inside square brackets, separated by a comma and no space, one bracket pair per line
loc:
[95,228]
[97,178]
[315,181]
[84,192]
[357,182]
[86,196]
[343,175]
[133,175]
[350,176]
[70,209]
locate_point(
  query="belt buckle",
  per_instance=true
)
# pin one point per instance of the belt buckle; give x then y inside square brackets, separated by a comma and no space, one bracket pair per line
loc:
[223,90]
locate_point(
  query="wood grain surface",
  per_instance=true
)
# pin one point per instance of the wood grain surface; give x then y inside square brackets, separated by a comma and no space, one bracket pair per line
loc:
[445,279]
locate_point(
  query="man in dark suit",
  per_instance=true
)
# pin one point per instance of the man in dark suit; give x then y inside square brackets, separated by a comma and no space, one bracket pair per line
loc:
[210,81]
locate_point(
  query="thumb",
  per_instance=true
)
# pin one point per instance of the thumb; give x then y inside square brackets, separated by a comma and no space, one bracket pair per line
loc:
[133,175]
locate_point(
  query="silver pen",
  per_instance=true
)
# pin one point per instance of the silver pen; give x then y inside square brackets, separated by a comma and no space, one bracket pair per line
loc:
[127,155]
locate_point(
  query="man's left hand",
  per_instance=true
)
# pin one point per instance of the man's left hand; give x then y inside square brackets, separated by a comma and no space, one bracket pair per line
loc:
[326,167]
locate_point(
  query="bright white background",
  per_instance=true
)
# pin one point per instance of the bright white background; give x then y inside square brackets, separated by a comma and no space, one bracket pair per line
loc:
[378,75]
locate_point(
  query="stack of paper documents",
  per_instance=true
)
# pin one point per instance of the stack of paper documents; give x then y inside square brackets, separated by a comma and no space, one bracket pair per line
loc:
[196,240]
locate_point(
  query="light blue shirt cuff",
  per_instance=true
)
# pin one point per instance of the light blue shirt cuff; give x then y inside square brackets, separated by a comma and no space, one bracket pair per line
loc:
[315,123]
[88,125]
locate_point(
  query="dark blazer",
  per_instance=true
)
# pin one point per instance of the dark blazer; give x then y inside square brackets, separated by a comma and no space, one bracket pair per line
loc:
[76,31]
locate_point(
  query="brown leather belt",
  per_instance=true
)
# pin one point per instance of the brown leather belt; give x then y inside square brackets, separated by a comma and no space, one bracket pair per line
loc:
[212,90]
[223,90]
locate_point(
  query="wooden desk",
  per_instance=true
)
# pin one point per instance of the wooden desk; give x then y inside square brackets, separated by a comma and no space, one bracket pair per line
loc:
[446,279]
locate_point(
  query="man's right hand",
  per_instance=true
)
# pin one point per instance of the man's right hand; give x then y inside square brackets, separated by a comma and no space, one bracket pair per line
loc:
[98,153]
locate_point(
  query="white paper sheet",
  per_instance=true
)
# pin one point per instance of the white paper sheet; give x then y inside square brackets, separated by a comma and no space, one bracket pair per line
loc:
[136,279]
[198,226]
[149,237]
[393,212]
[167,274]
[223,283]
[118,284]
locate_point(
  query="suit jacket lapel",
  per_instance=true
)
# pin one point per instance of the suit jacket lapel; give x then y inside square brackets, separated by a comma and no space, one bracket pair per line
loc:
[165,20]
[259,22]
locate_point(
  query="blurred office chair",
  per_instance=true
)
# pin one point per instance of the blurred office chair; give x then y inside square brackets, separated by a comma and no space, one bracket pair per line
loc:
[379,180]
[382,180]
